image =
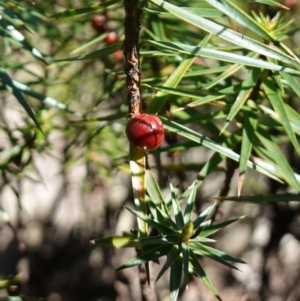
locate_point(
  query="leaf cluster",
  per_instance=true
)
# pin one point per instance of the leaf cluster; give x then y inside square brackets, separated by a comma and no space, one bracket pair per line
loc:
[233,84]
[180,238]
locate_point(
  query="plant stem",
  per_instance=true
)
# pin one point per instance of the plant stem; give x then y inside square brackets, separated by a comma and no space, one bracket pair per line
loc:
[137,157]
[131,53]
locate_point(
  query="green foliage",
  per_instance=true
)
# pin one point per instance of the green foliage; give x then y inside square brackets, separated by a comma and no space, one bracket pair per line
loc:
[181,239]
[32,76]
[229,94]
[221,77]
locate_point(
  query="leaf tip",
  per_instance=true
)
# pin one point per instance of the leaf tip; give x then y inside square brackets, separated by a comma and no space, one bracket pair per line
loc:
[240,183]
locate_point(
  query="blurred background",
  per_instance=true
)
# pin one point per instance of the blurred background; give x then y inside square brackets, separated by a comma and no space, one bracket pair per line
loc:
[67,185]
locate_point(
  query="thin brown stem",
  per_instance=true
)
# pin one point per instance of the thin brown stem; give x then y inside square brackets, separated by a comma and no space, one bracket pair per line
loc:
[131,53]
[133,80]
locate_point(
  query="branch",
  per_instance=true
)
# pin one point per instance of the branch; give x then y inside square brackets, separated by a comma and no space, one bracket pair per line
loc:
[131,53]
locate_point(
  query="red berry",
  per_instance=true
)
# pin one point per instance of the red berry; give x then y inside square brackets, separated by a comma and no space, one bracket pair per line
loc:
[145,131]
[291,4]
[98,23]
[111,38]
[118,55]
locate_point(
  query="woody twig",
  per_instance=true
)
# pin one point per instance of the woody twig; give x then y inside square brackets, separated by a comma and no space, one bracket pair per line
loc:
[131,53]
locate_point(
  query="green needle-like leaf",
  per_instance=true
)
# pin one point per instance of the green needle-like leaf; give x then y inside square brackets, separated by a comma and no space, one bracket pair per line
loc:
[245,92]
[48,101]
[162,228]
[275,152]
[83,10]
[16,92]
[95,54]
[173,80]
[203,12]
[240,16]
[274,95]
[293,116]
[168,200]
[292,82]
[250,123]
[148,241]
[203,240]
[277,79]
[263,199]
[211,229]
[271,3]
[175,277]
[202,140]
[171,257]
[19,38]
[222,56]
[153,252]
[176,209]
[226,74]
[200,273]
[200,219]
[158,28]
[10,15]
[185,257]
[153,189]
[215,254]
[190,203]
[268,159]
[93,41]
[118,242]
[161,217]
[226,33]
[201,99]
